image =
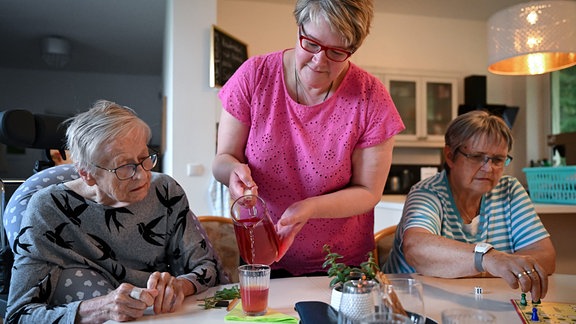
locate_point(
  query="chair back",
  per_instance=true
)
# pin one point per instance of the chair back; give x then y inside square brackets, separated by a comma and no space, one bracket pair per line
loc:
[17,193]
[220,231]
[23,129]
[17,204]
[384,241]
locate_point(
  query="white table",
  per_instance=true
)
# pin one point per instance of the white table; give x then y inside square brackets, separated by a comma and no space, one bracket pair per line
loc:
[439,294]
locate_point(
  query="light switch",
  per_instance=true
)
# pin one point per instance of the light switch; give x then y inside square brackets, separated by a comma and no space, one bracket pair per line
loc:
[194,169]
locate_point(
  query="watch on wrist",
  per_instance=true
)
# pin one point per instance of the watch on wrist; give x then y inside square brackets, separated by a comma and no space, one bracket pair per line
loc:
[479,251]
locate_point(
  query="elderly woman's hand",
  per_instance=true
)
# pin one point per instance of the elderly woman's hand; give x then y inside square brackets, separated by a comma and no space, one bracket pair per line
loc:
[171,291]
[518,271]
[120,305]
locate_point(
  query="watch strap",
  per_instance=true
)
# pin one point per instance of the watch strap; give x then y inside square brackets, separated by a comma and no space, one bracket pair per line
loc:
[478,256]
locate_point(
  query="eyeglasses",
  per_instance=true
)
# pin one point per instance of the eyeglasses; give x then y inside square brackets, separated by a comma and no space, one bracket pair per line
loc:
[481,159]
[127,171]
[312,46]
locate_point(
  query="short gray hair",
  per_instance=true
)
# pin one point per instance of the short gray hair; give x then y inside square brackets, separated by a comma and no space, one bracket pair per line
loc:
[88,132]
[352,18]
[474,125]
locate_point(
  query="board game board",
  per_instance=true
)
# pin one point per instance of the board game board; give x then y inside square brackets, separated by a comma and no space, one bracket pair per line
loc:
[548,312]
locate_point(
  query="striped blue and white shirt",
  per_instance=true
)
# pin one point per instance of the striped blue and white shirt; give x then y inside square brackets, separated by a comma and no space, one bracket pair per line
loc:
[507,218]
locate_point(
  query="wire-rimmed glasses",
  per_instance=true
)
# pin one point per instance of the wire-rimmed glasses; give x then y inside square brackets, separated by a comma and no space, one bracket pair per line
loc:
[481,159]
[127,171]
[312,46]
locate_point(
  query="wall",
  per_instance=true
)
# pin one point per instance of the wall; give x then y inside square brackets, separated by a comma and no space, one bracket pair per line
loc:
[66,93]
[190,102]
[396,43]
[411,44]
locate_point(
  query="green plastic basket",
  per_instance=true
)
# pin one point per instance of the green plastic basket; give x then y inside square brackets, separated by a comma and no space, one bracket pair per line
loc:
[552,185]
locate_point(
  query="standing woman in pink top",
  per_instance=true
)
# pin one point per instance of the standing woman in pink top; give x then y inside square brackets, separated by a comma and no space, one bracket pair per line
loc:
[312,134]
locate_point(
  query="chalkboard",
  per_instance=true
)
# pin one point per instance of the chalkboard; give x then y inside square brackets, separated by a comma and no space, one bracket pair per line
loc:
[226,55]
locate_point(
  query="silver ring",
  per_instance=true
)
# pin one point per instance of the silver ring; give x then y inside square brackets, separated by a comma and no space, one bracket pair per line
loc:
[136,292]
[530,271]
[521,274]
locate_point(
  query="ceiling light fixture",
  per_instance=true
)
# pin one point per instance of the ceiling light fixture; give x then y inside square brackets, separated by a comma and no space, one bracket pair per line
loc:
[56,51]
[532,38]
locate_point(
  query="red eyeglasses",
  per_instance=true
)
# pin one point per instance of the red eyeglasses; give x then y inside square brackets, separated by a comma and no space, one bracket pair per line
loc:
[312,46]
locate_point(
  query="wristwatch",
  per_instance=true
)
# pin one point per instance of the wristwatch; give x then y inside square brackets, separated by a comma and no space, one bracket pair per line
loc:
[479,251]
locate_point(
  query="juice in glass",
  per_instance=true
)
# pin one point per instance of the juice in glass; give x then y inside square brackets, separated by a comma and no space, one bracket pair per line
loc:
[254,299]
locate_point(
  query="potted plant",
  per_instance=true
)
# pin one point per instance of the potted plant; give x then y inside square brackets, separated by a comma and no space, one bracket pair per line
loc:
[340,272]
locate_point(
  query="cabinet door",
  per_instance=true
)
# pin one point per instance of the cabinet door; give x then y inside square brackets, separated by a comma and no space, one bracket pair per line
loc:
[441,106]
[405,92]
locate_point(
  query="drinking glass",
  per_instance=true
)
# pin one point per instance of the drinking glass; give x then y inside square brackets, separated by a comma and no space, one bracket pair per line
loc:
[359,298]
[385,318]
[254,287]
[410,294]
[466,316]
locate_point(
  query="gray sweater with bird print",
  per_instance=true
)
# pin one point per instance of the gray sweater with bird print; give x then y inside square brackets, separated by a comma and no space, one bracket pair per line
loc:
[63,230]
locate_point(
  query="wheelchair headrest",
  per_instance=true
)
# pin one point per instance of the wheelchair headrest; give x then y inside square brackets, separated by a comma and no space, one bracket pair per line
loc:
[23,129]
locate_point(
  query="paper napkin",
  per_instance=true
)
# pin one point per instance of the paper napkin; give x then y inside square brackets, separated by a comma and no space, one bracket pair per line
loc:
[272,316]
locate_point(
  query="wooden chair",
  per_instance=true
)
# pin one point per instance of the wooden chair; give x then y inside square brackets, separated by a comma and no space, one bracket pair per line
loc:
[384,240]
[220,231]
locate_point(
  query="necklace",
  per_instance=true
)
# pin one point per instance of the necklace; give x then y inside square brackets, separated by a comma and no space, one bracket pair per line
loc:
[467,218]
[298,81]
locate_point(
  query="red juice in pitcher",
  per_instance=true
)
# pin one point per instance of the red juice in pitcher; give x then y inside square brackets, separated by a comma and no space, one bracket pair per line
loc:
[257,240]
[255,233]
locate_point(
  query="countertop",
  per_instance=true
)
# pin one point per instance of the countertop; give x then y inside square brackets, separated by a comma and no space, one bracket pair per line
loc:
[397,202]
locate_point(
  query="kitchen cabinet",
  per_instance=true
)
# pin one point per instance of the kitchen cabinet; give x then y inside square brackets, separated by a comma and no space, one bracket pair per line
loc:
[426,105]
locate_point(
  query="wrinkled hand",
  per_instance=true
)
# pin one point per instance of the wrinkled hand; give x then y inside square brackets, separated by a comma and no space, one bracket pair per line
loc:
[240,181]
[117,305]
[171,291]
[518,271]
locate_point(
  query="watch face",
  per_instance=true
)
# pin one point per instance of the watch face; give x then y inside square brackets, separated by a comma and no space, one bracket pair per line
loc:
[482,247]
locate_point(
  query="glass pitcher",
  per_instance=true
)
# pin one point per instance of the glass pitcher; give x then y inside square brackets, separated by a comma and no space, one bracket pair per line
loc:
[255,232]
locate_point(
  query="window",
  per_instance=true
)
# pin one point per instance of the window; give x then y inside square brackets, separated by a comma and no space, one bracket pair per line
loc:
[564,100]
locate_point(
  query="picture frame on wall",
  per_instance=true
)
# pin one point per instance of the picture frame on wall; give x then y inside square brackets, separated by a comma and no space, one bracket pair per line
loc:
[227,53]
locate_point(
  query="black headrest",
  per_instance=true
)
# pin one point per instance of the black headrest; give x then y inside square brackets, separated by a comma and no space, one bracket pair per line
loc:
[21,128]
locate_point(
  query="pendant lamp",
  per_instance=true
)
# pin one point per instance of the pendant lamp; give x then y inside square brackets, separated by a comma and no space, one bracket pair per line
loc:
[532,38]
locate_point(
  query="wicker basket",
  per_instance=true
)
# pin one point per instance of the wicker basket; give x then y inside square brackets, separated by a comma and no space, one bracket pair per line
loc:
[552,185]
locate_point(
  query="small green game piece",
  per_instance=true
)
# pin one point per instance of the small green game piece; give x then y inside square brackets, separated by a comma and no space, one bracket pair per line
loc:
[538,302]
[523,301]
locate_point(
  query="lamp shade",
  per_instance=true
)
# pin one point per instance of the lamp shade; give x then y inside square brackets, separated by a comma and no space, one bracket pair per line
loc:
[532,38]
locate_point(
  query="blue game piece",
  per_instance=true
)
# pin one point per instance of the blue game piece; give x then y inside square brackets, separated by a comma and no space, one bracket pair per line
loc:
[535,315]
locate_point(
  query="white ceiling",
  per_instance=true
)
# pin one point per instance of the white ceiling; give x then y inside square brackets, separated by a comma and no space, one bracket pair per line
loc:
[107,36]
[126,36]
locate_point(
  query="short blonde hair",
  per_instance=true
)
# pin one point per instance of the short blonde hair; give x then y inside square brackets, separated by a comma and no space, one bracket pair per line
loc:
[352,18]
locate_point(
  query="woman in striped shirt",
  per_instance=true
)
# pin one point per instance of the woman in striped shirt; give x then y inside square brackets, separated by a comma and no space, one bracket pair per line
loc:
[469,219]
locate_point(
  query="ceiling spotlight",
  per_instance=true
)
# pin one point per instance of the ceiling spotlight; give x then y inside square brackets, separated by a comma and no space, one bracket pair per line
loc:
[56,51]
